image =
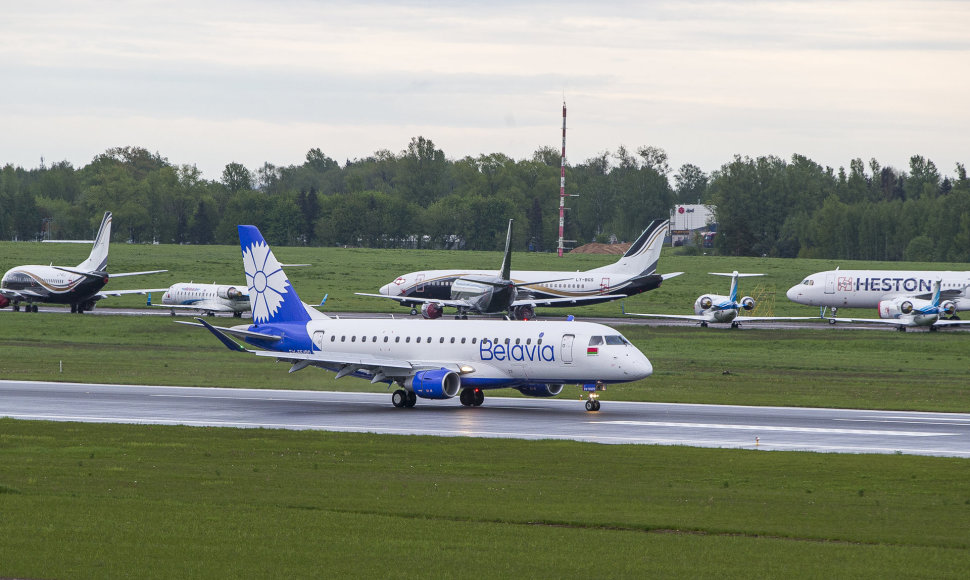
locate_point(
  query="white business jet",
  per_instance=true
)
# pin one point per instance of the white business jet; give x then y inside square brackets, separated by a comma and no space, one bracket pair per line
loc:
[714,308]
[431,360]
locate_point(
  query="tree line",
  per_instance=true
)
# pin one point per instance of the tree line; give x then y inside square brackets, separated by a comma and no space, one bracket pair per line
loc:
[420,198]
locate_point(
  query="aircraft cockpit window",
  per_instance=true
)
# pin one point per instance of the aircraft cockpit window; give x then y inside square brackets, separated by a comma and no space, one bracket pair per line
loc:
[595,340]
[809,282]
[615,339]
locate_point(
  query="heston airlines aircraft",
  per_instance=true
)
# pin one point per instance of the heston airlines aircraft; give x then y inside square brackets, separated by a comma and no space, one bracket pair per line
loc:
[713,308]
[867,288]
[908,311]
[79,286]
[430,360]
[633,273]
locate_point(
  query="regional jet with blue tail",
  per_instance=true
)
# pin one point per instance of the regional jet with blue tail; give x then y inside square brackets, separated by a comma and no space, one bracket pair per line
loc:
[714,308]
[909,311]
[633,273]
[438,360]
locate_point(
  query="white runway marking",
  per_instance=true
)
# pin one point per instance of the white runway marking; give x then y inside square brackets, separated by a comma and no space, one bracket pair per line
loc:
[779,428]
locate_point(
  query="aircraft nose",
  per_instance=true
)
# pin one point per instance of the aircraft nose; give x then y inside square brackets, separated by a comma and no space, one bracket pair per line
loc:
[391,289]
[642,367]
[793,293]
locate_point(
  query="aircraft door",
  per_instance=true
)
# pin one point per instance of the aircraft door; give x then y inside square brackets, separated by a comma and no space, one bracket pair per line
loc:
[605,285]
[420,281]
[830,283]
[567,348]
[318,339]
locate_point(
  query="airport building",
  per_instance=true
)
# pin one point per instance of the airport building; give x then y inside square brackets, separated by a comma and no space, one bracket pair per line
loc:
[690,222]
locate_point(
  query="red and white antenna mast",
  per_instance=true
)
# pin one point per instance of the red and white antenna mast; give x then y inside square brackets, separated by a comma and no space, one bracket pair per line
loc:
[562,181]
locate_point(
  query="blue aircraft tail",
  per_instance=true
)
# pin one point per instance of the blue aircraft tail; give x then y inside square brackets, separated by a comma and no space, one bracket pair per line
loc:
[272,296]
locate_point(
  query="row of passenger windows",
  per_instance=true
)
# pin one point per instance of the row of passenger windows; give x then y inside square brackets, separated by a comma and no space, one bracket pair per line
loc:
[441,339]
[610,339]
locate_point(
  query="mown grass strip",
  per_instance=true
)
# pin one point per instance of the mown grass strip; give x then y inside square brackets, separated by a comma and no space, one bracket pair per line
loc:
[110,500]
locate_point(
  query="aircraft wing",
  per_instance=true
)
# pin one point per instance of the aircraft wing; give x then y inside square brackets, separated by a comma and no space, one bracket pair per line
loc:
[697,317]
[126,292]
[344,363]
[123,274]
[573,300]
[413,300]
[20,294]
[898,322]
[770,318]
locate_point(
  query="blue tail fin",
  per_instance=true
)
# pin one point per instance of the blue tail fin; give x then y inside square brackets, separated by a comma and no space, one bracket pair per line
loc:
[273,298]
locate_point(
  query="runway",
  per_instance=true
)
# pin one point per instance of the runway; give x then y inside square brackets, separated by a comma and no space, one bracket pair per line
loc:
[735,427]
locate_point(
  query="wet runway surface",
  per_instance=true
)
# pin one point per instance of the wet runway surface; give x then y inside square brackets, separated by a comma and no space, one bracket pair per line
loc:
[765,428]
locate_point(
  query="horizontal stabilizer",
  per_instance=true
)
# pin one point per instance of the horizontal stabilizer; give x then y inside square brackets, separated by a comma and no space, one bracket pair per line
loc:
[238,332]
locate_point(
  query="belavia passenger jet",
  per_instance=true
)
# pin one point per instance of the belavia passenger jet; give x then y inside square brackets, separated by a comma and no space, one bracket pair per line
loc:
[431,360]
[80,286]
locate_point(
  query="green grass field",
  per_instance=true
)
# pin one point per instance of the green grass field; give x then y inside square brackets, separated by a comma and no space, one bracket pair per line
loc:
[84,501]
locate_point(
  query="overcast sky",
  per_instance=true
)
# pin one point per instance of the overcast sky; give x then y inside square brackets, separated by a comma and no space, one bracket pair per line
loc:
[214,82]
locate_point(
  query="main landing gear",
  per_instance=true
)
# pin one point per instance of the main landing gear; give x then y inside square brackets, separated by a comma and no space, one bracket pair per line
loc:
[402,398]
[593,402]
[472,397]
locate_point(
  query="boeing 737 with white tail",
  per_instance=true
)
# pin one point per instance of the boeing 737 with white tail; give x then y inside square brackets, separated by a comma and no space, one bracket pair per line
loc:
[431,360]
[714,308]
[633,273]
[80,286]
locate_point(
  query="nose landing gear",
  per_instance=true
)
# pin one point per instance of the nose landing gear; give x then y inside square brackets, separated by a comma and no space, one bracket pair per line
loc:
[593,403]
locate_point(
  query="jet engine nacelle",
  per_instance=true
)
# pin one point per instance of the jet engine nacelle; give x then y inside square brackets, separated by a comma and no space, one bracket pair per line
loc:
[431,310]
[895,308]
[524,312]
[540,390]
[947,307]
[228,292]
[4,302]
[436,384]
[747,303]
[705,302]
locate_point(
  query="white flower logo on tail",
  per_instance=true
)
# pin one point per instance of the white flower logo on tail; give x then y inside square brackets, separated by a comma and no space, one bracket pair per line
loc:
[266,281]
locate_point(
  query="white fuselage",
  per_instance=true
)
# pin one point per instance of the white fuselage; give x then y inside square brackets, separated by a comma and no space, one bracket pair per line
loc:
[496,354]
[720,308]
[567,284]
[867,288]
[209,297]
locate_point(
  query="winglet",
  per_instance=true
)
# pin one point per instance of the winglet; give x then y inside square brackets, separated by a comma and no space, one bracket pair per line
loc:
[230,343]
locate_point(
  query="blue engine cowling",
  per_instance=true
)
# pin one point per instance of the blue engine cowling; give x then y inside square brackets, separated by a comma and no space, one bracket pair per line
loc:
[540,390]
[436,384]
